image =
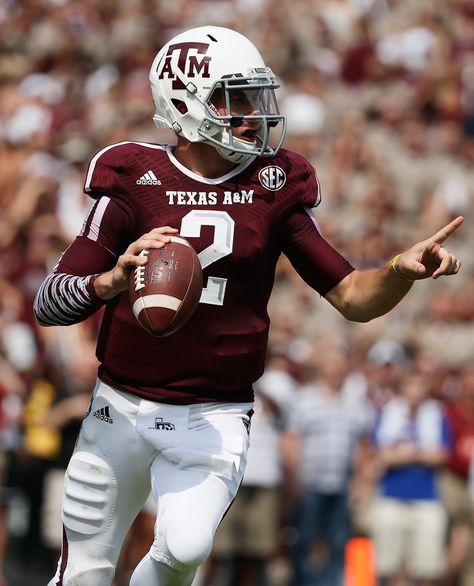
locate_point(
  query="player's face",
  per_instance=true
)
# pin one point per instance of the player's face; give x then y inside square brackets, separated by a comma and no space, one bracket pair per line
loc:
[240,103]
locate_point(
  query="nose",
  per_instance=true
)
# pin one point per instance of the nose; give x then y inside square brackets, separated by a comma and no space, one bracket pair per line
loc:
[255,123]
[246,105]
[252,110]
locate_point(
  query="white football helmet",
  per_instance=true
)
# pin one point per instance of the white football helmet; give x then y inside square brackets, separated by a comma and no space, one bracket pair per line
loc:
[210,79]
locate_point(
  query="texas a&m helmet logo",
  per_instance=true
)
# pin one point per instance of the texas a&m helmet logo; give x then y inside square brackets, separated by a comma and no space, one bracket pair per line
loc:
[191,60]
[272,177]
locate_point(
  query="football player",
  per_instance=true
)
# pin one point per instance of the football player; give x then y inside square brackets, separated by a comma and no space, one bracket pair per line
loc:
[173,413]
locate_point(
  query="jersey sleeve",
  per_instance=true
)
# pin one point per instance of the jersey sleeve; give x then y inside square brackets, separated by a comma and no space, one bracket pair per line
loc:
[315,260]
[67,295]
[302,180]
[105,170]
[310,189]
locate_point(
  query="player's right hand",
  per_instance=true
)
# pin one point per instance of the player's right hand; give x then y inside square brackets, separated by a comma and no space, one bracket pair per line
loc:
[111,283]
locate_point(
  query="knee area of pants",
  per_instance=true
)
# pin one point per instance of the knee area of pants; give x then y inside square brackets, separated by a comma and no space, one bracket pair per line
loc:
[189,546]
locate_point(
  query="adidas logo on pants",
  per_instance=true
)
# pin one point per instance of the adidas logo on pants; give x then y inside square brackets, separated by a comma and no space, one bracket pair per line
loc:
[103,414]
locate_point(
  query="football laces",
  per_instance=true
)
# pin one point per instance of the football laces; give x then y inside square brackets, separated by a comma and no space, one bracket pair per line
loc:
[139,274]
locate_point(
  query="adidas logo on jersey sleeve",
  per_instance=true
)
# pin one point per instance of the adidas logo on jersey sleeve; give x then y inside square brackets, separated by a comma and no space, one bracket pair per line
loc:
[148,179]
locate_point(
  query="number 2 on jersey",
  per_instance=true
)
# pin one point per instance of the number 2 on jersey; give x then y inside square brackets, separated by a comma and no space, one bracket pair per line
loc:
[223,243]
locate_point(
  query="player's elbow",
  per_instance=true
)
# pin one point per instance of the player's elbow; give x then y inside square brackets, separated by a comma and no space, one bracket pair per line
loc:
[351,300]
[39,314]
[342,297]
[46,314]
[356,314]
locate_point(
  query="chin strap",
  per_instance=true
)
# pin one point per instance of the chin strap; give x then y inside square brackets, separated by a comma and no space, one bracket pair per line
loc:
[232,156]
[225,148]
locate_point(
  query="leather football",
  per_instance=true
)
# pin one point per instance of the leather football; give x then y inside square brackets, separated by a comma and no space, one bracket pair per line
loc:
[165,292]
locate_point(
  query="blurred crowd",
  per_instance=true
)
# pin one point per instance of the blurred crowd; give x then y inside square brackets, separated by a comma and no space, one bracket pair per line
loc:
[356,424]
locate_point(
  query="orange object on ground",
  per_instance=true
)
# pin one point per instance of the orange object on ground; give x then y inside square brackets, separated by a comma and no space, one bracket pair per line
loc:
[359,563]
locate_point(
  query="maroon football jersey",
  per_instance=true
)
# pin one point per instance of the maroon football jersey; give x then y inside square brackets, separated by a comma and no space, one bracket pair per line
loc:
[239,224]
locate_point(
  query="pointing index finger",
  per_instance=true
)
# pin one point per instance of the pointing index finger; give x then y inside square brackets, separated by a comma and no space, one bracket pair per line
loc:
[447,230]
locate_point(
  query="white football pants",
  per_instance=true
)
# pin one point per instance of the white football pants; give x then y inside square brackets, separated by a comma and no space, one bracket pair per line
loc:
[193,455]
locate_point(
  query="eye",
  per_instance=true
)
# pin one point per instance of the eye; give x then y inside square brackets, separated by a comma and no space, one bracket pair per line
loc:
[237,99]
[240,102]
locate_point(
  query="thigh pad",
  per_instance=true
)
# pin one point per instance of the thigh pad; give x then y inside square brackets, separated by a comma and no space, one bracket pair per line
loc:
[90,491]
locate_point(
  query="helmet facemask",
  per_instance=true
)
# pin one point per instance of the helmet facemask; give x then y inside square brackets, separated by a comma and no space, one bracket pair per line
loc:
[242,101]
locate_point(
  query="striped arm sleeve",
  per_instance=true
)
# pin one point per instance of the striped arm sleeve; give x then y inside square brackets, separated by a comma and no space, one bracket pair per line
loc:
[65,299]
[67,295]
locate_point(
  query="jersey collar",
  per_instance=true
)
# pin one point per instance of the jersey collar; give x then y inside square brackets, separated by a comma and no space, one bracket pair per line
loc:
[209,181]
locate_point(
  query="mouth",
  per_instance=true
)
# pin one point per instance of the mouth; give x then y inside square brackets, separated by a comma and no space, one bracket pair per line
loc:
[249,135]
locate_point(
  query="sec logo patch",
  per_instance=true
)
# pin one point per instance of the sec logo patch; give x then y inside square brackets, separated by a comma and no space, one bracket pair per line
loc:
[272,177]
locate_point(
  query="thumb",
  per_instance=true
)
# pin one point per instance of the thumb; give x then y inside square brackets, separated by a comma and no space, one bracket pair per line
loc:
[409,266]
[416,268]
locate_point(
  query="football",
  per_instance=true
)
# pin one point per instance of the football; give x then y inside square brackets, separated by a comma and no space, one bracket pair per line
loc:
[165,292]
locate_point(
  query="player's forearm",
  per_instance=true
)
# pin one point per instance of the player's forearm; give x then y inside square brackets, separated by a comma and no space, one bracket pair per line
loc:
[65,299]
[365,295]
[107,285]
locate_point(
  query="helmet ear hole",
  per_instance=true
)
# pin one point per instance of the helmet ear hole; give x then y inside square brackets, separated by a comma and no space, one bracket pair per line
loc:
[179,105]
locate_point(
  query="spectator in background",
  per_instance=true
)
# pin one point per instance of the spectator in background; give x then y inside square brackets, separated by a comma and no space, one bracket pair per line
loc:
[12,389]
[306,114]
[386,361]
[412,439]
[455,481]
[326,424]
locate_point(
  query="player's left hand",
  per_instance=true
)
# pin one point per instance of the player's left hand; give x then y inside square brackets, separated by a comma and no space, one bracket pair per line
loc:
[429,258]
